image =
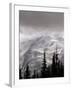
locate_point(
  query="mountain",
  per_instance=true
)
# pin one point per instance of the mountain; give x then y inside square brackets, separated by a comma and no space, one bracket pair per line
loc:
[31,51]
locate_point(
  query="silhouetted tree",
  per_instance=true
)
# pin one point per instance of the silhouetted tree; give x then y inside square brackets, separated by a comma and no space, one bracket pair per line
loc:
[20,74]
[57,66]
[37,76]
[34,74]
[54,65]
[49,72]
[61,70]
[44,67]
[27,73]
[53,59]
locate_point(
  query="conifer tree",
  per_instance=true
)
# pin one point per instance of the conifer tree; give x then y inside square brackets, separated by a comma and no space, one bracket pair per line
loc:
[20,76]
[34,74]
[54,65]
[44,67]
[27,73]
[37,76]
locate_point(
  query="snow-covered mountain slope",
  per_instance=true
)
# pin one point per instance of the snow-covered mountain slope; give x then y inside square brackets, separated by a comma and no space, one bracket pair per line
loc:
[31,51]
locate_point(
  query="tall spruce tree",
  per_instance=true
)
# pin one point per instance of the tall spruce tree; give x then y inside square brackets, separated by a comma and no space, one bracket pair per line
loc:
[34,74]
[27,73]
[56,55]
[37,76]
[44,67]
[55,65]
[20,74]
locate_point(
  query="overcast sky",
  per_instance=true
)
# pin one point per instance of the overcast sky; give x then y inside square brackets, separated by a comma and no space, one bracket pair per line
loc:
[31,22]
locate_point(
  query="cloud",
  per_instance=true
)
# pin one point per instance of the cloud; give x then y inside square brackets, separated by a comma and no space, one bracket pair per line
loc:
[37,21]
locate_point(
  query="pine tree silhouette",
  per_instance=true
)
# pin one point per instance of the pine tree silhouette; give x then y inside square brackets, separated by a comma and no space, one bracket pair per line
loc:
[54,65]
[61,70]
[57,66]
[37,76]
[44,67]
[27,73]
[20,74]
[34,74]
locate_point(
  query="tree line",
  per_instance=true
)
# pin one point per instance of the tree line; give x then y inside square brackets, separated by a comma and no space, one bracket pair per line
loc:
[56,69]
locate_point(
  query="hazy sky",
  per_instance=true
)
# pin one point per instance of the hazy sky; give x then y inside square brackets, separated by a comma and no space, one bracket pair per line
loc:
[31,22]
